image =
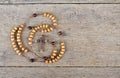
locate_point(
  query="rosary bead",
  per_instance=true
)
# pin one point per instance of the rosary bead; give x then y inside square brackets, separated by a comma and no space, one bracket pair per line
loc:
[35,15]
[60,33]
[30,27]
[32,60]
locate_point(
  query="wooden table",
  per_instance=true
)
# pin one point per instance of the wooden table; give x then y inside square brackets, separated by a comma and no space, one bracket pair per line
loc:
[92,35]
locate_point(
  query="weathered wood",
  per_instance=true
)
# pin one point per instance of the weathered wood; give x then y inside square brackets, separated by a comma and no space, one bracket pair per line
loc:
[65,1]
[4,1]
[50,72]
[92,33]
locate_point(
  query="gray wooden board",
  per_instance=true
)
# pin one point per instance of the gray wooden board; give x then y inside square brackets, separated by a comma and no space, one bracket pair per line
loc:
[65,1]
[92,33]
[35,72]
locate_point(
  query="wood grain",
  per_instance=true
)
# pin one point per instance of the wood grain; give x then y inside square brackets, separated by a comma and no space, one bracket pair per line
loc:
[65,1]
[18,72]
[92,33]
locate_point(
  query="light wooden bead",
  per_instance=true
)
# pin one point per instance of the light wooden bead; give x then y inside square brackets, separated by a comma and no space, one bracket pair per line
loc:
[15,49]
[63,50]
[48,15]
[30,43]
[13,43]
[12,39]
[26,50]
[46,61]
[48,30]
[60,55]
[54,20]
[38,27]
[23,48]
[15,28]
[20,28]
[50,61]
[53,60]
[54,54]
[15,46]
[62,43]
[56,59]
[51,28]
[33,31]
[30,38]
[46,26]
[54,24]
[18,40]
[45,14]
[20,45]
[63,47]
[22,25]
[12,33]
[52,57]
[19,54]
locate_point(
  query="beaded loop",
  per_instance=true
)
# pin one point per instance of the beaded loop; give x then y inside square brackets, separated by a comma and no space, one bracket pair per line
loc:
[20,48]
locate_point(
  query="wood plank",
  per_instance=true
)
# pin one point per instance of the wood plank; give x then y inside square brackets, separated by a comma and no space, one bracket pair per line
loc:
[4,1]
[14,72]
[92,33]
[65,1]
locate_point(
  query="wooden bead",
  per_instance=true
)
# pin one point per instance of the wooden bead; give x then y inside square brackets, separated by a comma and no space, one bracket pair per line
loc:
[63,47]
[18,39]
[13,31]
[30,43]
[46,61]
[15,49]
[45,14]
[50,61]
[20,45]
[63,50]
[33,31]
[53,60]
[54,54]
[54,24]
[54,20]
[15,46]
[48,15]
[62,43]
[23,48]
[15,28]
[52,57]
[12,39]
[19,54]
[26,50]
[58,57]
[30,38]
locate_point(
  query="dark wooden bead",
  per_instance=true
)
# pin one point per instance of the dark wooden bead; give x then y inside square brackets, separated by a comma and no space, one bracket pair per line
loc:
[30,27]
[32,60]
[60,33]
[53,43]
[35,15]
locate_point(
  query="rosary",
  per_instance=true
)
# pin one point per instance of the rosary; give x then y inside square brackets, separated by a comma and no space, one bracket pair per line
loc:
[58,47]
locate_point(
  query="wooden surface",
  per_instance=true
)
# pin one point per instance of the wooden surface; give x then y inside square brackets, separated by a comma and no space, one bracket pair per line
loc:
[92,37]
